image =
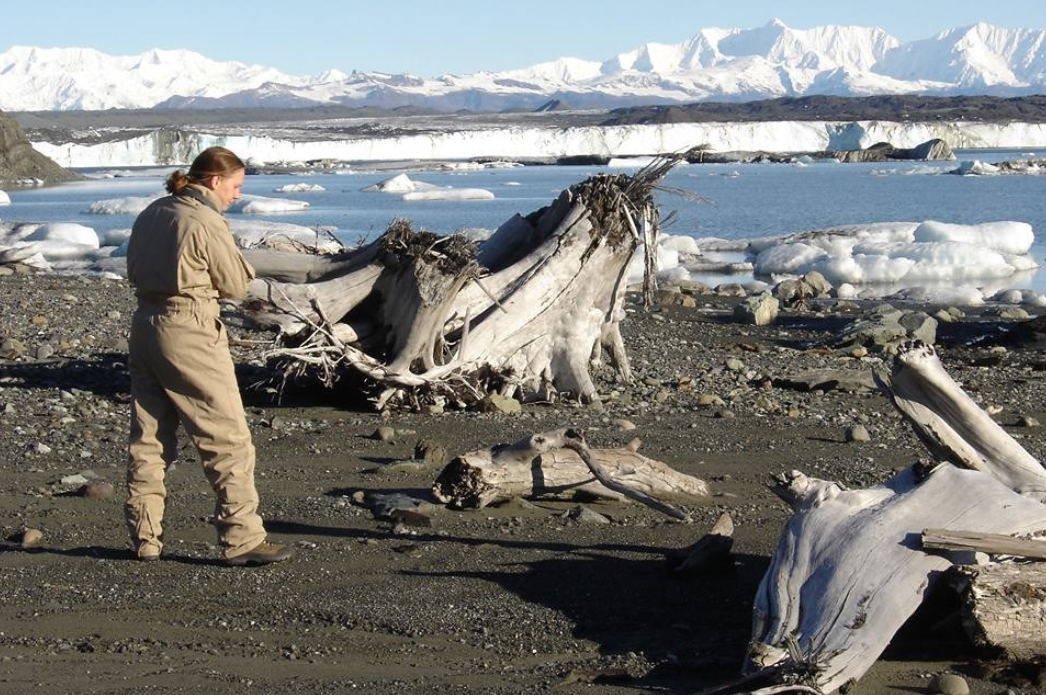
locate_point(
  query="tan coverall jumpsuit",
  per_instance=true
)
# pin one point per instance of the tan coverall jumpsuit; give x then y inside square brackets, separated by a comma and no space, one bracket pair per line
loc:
[181,258]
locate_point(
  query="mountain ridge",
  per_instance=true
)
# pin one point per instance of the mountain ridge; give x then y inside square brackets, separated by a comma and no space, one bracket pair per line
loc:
[732,65]
[63,126]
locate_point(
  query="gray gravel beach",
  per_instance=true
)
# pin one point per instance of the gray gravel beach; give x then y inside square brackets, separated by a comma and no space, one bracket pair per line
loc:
[530,596]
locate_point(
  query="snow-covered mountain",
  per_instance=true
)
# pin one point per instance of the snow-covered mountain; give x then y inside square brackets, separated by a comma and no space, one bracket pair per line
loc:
[714,65]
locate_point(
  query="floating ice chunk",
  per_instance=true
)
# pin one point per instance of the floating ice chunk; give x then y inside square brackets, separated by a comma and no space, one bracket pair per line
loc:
[65,232]
[4,198]
[961,295]
[682,244]
[975,168]
[299,188]
[120,206]
[901,253]
[115,237]
[30,257]
[672,275]
[1018,296]
[400,183]
[1004,237]
[667,261]
[630,162]
[56,241]
[254,204]
[846,291]
[789,259]
[449,194]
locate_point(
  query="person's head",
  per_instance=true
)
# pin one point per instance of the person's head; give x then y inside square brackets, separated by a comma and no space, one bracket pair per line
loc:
[216,168]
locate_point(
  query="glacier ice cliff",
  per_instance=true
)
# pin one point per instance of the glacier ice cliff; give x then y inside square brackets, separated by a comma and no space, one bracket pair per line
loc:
[267,145]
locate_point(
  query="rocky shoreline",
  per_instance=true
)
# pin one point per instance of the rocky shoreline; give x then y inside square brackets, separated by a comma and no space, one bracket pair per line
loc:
[525,597]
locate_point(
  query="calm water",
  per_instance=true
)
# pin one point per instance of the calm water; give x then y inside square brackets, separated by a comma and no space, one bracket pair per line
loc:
[740,200]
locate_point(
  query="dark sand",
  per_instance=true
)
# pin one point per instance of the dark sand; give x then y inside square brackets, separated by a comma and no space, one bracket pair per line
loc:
[514,599]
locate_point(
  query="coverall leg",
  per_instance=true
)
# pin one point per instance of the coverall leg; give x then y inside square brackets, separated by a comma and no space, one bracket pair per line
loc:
[180,354]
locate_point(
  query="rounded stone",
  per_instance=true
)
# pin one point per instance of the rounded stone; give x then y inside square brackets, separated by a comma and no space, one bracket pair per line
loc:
[97,489]
[949,684]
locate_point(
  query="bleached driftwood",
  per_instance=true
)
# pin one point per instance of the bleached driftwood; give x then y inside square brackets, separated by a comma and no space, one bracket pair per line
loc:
[992,543]
[553,465]
[443,320]
[710,552]
[849,567]
[1004,606]
[953,427]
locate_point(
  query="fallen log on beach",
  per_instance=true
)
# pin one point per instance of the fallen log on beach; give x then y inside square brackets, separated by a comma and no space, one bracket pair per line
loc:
[560,465]
[823,613]
[422,320]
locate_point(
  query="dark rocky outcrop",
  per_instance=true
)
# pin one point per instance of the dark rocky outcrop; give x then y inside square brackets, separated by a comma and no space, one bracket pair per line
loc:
[883,152]
[20,162]
[901,108]
[880,152]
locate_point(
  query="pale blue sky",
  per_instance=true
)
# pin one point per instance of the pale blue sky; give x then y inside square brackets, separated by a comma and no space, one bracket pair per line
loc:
[429,38]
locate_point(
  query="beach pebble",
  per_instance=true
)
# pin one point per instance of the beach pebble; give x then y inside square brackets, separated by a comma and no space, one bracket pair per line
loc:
[624,425]
[97,489]
[431,453]
[858,433]
[384,434]
[29,537]
[949,684]
[1014,313]
[583,515]
[12,348]
[496,403]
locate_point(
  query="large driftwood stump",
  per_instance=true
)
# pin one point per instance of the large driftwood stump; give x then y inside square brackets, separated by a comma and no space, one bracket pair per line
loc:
[554,465]
[423,319]
[849,568]
[1004,606]
[824,612]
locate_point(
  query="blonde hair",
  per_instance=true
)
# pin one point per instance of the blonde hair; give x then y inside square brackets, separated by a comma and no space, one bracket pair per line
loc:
[214,161]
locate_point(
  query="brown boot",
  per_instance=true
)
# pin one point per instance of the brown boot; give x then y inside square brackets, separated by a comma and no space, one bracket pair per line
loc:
[264,553]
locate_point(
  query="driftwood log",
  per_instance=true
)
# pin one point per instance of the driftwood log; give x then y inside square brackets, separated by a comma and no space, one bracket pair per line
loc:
[427,320]
[1004,606]
[560,465]
[850,566]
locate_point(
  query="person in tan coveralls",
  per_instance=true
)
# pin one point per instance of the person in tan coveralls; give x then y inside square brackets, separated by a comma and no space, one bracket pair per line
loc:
[181,258]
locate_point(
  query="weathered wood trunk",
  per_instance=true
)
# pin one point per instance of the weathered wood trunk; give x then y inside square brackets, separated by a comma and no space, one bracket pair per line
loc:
[440,320]
[549,465]
[850,568]
[1004,606]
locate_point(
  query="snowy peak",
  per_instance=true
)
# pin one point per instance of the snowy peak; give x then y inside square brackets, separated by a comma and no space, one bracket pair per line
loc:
[45,79]
[980,57]
[773,60]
